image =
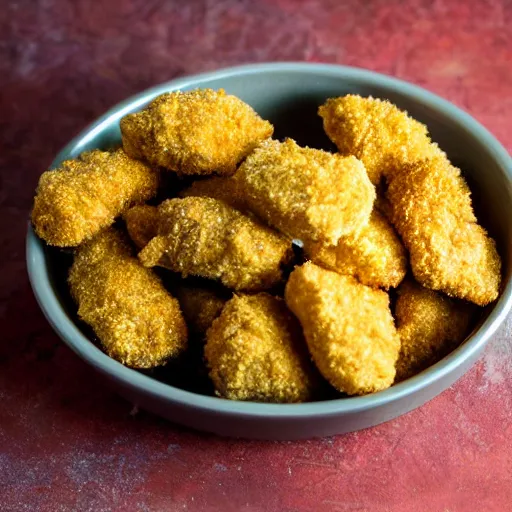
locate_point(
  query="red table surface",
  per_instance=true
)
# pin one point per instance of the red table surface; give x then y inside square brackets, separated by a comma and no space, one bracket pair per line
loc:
[66,442]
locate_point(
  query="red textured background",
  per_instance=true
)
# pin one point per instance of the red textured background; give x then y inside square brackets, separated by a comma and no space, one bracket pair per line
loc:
[66,443]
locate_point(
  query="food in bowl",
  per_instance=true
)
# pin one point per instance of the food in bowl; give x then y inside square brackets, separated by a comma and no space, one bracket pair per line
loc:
[256,351]
[137,320]
[377,132]
[307,194]
[449,251]
[429,325]
[204,237]
[85,195]
[194,132]
[348,328]
[241,235]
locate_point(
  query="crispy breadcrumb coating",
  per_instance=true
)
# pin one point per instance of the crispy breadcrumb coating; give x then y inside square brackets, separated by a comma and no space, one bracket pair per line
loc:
[200,305]
[195,132]
[255,351]
[142,224]
[449,251]
[205,237]
[348,327]
[83,196]
[377,132]
[306,193]
[430,325]
[136,320]
[375,255]
[223,188]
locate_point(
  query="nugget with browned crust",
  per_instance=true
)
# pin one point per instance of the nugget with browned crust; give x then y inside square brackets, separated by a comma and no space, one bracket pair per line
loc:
[430,325]
[255,350]
[348,327]
[377,132]
[306,193]
[449,250]
[375,255]
[205,237]
[195,132]
[85,195]
[136,320]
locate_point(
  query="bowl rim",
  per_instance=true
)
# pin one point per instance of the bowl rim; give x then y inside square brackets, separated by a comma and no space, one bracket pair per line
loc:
[87,350]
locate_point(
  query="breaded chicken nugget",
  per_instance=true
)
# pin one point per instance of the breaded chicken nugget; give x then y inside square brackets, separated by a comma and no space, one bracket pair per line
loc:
[348,327]
[136,320]
[374,255]
[255,351]
[196,132]
[306,193]
[142,224]
[85,195]
[377,132]
[201,305]
[205,237]
[429,325]
[223,188]
[450,252]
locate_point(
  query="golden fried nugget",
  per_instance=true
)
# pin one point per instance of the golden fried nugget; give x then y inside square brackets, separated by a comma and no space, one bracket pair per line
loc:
[375,255]
[83,196]
[205,237]
[223,188]
[348,327]
[306,193]
[377,132]
[449,251]
[136,320]
[200,305]
[195,132]
[255,350]
[142,224]
[430,325]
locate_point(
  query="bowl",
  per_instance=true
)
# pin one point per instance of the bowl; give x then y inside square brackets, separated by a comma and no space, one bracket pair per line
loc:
[288,94]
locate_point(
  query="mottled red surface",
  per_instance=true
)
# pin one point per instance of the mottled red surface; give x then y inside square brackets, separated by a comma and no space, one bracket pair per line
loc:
[66,443]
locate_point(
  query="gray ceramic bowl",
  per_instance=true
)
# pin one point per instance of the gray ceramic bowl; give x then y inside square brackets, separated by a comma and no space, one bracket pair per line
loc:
[288,95]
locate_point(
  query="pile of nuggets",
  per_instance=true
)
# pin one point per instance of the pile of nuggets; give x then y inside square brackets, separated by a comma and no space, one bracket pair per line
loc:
[386,216]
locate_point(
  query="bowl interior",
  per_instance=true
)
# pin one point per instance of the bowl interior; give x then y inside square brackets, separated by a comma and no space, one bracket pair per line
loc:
[289,97]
